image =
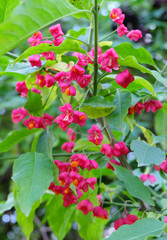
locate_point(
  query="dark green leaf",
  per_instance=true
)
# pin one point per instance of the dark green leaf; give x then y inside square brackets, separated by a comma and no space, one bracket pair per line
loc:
[15,137]
[32,173]
[146,154]
[60,218]
[140,230]
[34,104]
[134,185]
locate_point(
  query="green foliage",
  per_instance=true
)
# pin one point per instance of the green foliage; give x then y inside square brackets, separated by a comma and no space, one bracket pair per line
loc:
[140,230]
[147,154]
[34,104]
[23,68]
[60,218]
[141,54]
[134,185]
[6,8]
[26,222]
[15,137]
[31,16]
[82,144]
[97,106]
[8,204]
[66,46]
[117,117]
[89,227]
[45,144]
[32,173]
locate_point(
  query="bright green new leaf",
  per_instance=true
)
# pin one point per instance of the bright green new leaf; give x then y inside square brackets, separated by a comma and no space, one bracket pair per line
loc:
[30,17]
[146,84]
[26,222]
[34,104]
[15,137]
[141,54]
[89,227]
[59,217]
[5,206]
[140,230]
[122,101]
[66,46]
[147,134]
[83,143]
[134,185]
[131,61]
[97,106]
[76,34]
[32,173]
[82,4]
[146,154]
[6,8]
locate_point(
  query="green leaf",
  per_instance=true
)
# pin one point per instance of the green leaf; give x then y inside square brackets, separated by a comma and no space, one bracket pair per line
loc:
[45,144]
[141,54]
[30,17]
[76,34]
[147,134]
[97,106]
[82,4]
[15,137]
[131,61]
[6,8]
[140,230]
[134,185]
[159,78]
[86,144]
[122,101]
[32,173]
[34,104]
[23,68]
[26,222]
[89,227]
[147,154]
[145,84]
[66,46]
[5,206]
[60,218]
